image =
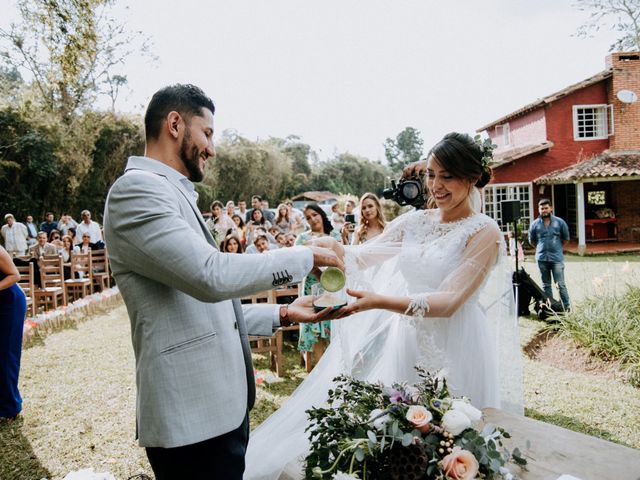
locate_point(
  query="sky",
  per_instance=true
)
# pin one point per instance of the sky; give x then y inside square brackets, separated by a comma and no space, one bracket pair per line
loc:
[344,75]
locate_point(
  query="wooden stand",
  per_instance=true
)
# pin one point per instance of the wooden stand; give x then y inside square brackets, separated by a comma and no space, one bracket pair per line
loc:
[554,451]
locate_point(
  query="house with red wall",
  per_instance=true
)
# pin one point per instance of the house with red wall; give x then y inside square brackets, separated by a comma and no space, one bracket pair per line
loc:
[579,147]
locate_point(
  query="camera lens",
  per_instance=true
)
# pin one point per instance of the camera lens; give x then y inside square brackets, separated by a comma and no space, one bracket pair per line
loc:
[410,190]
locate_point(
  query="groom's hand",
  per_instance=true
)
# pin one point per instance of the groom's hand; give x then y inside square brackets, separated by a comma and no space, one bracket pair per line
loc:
[301,311]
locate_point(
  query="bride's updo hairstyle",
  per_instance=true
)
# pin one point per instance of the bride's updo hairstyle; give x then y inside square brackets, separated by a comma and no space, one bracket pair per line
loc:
[463,157]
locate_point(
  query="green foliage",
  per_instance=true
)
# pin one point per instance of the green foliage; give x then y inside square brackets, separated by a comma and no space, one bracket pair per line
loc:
[609,326]
[280,168]
[71,49]
[348,173]
[404,149]
[48,165]
[118,138]
[242,168]
[622,16]
[365,431]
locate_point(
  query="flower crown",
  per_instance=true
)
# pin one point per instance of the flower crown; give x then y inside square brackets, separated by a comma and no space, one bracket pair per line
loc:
[487,150]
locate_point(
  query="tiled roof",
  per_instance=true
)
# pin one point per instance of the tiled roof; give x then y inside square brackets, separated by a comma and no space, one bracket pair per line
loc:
[317,196]
[607,164]
[512,154]
[550,98]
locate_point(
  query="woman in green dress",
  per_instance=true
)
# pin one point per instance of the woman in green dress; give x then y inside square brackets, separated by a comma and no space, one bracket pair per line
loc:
[314,337]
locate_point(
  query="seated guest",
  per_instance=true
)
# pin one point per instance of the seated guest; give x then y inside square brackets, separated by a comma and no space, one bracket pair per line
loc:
[262,244]
[273,231]
[92,228]
[72,233]
[290,239]
[55,238]
[232,244]
[49,224]
[241,228]
[86,246]
[65,223]
[43,247]
[281,239]
[256,221]
[66,251]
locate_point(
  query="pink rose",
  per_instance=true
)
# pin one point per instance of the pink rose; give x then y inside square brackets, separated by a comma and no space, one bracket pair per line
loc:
[460,465]
[419,417]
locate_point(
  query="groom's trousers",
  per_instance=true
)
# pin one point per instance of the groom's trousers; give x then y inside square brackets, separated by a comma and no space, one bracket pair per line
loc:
[217,458]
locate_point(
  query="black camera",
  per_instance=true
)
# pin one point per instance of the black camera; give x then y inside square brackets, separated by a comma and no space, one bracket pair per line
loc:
[407,191]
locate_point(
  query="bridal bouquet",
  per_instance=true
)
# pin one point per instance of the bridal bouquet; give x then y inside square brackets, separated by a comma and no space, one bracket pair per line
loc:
[370,431]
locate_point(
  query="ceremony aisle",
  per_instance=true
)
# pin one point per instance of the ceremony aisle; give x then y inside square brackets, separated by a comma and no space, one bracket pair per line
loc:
[78,388]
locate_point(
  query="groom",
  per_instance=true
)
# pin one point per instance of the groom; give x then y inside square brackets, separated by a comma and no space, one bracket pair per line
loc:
[193,362]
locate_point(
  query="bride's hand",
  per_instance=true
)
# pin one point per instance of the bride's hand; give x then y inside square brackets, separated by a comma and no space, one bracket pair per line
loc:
[364,301]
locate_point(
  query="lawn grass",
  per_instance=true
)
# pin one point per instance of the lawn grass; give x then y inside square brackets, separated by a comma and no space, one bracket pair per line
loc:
[79,392]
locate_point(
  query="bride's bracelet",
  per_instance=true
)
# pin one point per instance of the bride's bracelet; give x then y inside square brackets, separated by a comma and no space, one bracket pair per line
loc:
[418,306]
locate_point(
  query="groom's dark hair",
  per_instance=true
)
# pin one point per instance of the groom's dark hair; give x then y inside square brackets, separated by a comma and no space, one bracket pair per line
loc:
[188,100]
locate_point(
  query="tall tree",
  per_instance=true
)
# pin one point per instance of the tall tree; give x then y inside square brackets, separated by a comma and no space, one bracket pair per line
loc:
[404,149]
[620,15]
[71,49]
[11,86]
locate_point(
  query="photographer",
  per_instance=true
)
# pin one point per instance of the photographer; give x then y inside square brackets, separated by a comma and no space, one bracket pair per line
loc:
[409,190]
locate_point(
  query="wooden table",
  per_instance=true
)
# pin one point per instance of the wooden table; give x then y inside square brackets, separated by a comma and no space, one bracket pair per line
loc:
[554,451]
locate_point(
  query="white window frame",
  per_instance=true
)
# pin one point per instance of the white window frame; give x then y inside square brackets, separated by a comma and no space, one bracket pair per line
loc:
[511,195]
[504,131]
[607,127]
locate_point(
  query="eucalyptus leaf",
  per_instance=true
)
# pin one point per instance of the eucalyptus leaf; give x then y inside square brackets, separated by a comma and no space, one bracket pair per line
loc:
[407,438]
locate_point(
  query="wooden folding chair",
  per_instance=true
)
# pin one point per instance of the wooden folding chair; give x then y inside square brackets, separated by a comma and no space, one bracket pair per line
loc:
[81,282]
[27,283]
[271,344]
[52,292]
[100,269]
[291,292]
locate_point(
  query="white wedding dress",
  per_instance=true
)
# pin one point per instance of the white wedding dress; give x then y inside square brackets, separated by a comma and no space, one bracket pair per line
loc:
[454,270]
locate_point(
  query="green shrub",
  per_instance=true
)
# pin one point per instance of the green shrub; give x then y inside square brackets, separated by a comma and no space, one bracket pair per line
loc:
[609,326]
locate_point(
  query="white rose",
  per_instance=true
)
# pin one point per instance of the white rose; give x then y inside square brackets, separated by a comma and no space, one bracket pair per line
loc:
[378,423]
[469,410]
[455,422]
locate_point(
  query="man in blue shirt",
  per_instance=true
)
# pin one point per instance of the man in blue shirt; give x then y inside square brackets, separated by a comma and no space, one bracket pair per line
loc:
[549,234]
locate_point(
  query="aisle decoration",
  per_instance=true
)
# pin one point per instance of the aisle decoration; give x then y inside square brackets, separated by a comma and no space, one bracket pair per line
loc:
[369,431]
[70,315]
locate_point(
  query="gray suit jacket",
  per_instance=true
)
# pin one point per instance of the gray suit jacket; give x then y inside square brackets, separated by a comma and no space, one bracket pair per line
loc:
[193,364]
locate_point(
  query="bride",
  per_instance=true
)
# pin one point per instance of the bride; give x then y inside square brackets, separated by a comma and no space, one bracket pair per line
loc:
[433,290]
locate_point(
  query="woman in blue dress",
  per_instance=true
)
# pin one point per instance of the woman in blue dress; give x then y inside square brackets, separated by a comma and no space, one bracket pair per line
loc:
[13,307]
[314,337]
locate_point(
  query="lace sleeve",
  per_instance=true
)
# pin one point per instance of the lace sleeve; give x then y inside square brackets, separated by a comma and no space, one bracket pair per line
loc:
[479,257]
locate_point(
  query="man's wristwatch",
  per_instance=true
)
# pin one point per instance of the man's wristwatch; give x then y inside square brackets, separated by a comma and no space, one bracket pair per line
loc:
[284,316]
